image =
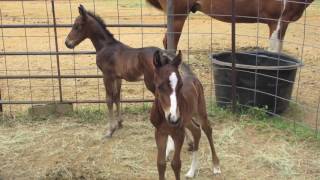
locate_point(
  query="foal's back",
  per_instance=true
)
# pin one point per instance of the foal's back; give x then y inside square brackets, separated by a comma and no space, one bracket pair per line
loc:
[126,62]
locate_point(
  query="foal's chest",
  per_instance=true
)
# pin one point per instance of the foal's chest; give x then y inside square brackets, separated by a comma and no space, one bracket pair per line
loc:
[106,65]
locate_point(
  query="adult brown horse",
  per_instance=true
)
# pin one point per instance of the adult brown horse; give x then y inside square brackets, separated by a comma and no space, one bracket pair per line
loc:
[277,14]
[116,60]
[178,99]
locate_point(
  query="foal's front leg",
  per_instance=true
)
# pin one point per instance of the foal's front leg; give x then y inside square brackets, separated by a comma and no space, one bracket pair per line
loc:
[112,94]
[178,139]
[161,140]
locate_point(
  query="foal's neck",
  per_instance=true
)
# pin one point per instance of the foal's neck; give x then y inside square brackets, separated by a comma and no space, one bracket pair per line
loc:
[101,38]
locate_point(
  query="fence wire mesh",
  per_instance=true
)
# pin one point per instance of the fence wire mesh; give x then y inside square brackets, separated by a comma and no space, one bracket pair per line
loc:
[33,57]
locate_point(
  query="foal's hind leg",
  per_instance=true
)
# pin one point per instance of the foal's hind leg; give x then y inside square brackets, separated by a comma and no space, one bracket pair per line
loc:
[117,101]
[205,125]
[196,133]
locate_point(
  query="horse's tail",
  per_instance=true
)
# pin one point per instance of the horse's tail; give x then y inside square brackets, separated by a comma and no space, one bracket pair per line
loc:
[155,3]
[186,70]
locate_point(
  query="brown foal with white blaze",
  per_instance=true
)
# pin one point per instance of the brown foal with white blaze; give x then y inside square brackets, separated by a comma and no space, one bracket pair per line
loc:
[179,105]
[116,60]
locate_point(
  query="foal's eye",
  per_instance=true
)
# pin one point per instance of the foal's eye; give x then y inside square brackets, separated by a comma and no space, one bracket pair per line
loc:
[76,27]
[162,87]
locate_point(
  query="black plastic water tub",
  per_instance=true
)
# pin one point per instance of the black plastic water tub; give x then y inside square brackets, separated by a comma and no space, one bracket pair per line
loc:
[263,79]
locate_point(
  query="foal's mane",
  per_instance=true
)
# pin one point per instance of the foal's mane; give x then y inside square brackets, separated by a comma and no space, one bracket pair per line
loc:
[101,23]
[186,70]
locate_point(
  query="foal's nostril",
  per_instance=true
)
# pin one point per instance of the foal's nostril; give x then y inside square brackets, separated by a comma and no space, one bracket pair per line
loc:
[68,44]
[173,120]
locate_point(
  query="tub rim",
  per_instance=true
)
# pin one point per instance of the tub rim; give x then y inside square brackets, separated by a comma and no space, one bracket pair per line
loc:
[296,62]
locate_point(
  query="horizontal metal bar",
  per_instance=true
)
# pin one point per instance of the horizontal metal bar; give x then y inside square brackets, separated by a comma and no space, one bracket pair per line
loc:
[49,76]
[77,102]
[46,53]
[70,25]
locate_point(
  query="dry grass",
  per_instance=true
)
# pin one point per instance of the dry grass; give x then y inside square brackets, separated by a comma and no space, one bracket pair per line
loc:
[70,148]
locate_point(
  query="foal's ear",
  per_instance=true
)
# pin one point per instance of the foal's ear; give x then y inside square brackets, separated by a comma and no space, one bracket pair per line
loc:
[157,59]
[82,11]
[177,60]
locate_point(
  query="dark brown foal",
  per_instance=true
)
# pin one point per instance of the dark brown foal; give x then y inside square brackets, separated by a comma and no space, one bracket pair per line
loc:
[116,60]
[179,105]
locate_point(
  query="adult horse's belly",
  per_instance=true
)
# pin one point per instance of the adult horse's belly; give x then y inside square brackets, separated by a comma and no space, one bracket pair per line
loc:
[246,10]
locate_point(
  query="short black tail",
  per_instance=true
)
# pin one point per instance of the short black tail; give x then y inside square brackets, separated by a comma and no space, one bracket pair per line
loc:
[155,3]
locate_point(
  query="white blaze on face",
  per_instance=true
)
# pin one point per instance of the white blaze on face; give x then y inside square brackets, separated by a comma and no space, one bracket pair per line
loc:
[173,79]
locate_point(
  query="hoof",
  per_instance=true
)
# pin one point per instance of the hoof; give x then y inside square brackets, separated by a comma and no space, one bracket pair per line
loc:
[109,134]
[189,174]
[216,170]
[119,126]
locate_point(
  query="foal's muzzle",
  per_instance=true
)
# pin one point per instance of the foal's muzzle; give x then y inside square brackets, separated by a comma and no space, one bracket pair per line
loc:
[173,121]
[69,44]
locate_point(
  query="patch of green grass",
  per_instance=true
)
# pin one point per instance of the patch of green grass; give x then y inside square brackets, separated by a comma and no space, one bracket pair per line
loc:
[10,120]
[218,113]
[89,114]
[94,114]
[295,112]
[137,109]
[262,121]
[250,116]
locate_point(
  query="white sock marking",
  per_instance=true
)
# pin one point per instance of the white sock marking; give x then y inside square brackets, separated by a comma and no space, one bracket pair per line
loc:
[275,44]
[170,146]
[216,170]
[173,97]
[194,165]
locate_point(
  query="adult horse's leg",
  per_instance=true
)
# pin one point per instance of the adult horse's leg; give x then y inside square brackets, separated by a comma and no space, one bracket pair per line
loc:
[161,140]
[274,41]
[111,88]
[283,29]
[177,28]
[196,133]
[178,138]
[277,33]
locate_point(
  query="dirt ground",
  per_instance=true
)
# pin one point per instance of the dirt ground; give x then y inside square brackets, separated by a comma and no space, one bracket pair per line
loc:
[68,148]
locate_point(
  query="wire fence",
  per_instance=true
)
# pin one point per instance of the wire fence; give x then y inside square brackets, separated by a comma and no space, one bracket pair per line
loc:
[37,68]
